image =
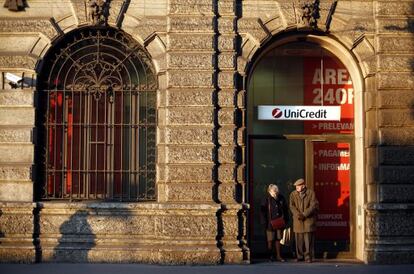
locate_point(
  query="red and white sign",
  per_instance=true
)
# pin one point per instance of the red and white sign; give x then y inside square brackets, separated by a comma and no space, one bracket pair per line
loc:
[307,113]
[337,90]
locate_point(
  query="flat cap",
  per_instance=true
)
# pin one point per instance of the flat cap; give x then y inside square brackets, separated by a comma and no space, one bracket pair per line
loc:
[299,182]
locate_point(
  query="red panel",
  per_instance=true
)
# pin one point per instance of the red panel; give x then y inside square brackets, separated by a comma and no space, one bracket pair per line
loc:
[332,186]
[337,91]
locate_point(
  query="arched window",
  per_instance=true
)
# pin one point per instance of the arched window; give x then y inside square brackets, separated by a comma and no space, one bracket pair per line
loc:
[96,119]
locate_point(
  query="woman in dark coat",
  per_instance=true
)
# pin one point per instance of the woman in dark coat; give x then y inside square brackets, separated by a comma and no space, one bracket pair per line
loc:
[273,206]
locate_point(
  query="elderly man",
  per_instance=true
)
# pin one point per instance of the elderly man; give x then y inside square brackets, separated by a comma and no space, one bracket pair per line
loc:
[304,206]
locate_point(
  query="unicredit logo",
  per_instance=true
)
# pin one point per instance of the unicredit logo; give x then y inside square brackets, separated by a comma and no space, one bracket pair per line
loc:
[277,113]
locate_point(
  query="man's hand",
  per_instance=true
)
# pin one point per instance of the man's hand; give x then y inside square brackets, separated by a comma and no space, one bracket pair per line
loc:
[301,217]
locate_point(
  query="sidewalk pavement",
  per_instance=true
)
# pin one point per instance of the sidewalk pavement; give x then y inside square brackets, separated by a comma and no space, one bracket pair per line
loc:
[257,268]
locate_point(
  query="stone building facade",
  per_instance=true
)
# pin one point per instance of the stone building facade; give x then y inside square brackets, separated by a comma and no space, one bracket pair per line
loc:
[202,53]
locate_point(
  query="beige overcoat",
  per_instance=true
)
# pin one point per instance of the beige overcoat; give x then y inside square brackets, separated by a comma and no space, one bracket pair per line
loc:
[308,206]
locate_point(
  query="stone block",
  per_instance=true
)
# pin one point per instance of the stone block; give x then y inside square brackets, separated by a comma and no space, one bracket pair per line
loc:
[15,172]
[387,25]
[16,153]
[189,135]
[395,62]
[199,7]
[241,65]
[190,78]
[18,62]
[191,24]
[396,155]
[395,117]
[393,137]
[241,136]
[189,173]
[275,24]
[190,154]
[226,135]
[389,8]
[15,134]
[252,27]
[226,79]
[190,41]
[190,60]
[390,223]
[190,115]
[148,8]
[226,61]
[396,174]
[226,172]
[403,80]
[226,116]
[396,193]
[150,26]
[227,154]
[400,43]
[190,97]
[395,98]
[16,191]
[263,9]
[34,25]
[226,7]
[226,42]
[392,256]
[195,192]
[288,12]
[249,47]
[226,24]
[16,220]
[17,254]
[22,116]
[227,193]
[226,98]
[16,97]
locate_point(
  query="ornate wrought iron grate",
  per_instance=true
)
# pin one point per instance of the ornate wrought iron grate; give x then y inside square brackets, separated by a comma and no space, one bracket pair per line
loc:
[97,119]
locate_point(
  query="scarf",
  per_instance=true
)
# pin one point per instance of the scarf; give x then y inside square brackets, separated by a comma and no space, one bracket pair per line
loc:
[302,193]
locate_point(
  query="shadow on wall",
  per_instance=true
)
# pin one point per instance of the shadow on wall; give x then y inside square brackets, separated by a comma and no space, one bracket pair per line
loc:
[77,239]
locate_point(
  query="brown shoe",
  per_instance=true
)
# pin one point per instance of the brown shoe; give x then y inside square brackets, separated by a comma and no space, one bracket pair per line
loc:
[309,261]
[280,259]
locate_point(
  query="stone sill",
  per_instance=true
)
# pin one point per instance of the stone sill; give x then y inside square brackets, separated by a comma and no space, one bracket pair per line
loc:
[126,205]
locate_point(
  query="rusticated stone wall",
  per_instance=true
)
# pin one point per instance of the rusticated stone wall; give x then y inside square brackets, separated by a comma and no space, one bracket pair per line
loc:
[390,187]
[201,51]
[125,232]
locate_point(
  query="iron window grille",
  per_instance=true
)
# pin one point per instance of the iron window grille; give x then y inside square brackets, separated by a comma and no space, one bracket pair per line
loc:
[96,118]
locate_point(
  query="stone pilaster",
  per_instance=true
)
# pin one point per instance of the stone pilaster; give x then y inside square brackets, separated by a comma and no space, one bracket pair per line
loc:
[16,232]
[391,188]
[230,148]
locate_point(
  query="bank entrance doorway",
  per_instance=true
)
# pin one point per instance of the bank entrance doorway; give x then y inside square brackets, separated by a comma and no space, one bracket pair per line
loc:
[300,124]
[325,164]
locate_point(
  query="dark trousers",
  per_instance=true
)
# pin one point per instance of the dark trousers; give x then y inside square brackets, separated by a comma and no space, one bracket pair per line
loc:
[305,245]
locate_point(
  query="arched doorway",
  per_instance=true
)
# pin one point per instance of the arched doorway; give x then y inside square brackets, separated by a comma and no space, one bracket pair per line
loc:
[96,119]
[286,81]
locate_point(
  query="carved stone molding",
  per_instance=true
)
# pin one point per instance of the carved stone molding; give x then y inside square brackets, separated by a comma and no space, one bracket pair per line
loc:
[15,5]
[98,11]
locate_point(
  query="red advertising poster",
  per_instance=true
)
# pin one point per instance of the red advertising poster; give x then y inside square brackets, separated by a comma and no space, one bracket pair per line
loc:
[331,160]
[337,90]
[332,185]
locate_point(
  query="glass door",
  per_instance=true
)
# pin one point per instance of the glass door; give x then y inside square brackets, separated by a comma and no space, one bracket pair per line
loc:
[330,170]
[272,161]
